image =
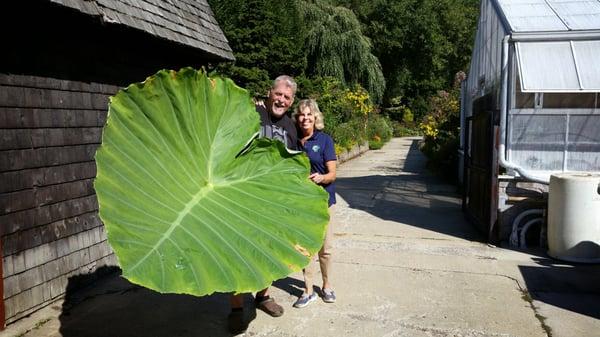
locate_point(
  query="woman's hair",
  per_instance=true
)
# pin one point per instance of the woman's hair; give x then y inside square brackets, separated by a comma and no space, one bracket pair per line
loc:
[314,108]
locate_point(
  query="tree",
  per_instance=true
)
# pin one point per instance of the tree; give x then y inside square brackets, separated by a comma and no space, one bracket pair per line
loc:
[336,47]
[266,38]
[421,44]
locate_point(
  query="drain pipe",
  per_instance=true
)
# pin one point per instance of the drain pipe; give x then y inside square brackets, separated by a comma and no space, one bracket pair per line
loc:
[503,116]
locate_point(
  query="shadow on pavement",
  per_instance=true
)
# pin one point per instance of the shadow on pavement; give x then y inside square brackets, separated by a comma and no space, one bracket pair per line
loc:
[291,286]
[573,287]
[115,307]
[405,192]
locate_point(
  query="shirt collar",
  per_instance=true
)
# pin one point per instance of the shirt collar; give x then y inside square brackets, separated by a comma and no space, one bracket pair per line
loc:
[314,135]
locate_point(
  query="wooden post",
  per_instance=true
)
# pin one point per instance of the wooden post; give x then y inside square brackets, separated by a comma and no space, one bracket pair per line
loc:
[2,318]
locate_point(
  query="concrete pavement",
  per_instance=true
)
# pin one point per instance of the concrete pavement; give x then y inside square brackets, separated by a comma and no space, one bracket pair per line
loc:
[406,264]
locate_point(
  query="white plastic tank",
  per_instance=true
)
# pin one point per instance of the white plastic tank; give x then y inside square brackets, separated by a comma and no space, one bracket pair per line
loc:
[574,217]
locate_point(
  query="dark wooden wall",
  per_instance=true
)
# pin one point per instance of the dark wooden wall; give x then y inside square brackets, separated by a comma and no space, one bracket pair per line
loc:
[2,315]
[50,130]
[58,68]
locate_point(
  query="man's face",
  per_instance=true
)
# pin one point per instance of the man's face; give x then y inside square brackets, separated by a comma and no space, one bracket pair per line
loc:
[280,99]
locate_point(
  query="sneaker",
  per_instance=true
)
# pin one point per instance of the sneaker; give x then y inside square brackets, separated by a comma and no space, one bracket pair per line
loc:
[328,296]
[304,300]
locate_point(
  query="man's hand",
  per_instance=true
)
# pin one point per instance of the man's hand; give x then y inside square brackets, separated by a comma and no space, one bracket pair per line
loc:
[259,102]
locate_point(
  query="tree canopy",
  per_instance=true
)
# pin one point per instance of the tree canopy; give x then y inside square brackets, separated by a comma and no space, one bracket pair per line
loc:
[403,50]
[336,47]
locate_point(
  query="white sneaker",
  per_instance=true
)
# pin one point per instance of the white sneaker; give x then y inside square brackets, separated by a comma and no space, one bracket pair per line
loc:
[304,300]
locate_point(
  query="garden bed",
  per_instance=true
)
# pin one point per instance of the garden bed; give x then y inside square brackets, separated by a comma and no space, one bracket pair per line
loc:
[354,152]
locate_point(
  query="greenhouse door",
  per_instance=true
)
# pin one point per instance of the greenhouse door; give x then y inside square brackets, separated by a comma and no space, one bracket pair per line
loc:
[480,191]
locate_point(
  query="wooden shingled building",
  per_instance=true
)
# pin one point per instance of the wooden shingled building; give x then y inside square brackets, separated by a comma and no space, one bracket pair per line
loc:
[60,62]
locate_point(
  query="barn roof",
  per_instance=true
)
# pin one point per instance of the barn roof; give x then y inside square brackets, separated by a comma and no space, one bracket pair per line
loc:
[188,22]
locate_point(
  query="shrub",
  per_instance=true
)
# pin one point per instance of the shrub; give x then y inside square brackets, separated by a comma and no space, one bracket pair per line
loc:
[344,135]
[403,130]
[338,149]
[441,130]
[378,129]
[375,144]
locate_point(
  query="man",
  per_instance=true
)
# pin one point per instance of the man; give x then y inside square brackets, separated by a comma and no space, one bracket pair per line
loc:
[274,124]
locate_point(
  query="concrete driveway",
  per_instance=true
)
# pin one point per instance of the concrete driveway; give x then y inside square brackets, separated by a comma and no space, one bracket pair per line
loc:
[406,263]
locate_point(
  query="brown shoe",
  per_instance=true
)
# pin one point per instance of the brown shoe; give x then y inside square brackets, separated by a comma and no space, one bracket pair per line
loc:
[236,322]
[268,305]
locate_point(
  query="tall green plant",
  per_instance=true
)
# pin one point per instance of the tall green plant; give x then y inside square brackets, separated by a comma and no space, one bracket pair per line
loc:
[337,47]
[266,38]
[421,44]
[186,210]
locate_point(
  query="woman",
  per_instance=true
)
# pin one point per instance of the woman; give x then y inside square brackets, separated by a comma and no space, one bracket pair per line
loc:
[319,148]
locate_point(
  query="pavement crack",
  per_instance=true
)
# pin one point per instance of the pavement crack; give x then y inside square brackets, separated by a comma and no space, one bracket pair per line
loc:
[526,296]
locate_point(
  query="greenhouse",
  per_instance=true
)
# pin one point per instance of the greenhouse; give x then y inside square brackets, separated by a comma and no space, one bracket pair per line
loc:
[530,109]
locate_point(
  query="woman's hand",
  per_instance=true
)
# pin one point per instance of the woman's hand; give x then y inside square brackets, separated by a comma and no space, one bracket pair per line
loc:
[324,179]
[316,178]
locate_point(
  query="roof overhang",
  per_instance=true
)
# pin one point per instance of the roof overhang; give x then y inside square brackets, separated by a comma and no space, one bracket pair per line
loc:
[187,22]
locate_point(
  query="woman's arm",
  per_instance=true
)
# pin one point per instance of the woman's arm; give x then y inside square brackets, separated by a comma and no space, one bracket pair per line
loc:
[328,178]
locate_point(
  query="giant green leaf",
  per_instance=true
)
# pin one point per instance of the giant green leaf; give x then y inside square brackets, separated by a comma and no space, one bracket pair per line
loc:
[186,210]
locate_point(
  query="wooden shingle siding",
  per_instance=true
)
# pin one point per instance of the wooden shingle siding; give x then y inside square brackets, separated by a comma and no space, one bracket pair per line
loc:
[12,222]
[66,58]
[49,225]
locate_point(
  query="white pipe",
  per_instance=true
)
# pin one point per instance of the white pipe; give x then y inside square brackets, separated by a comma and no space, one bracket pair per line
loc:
[503,116]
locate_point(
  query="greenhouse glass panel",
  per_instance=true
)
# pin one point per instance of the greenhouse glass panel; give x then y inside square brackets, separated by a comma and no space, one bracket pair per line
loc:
[531,16]
[578,15]
[587,54]
[547,66]
[537,142]
[584,143]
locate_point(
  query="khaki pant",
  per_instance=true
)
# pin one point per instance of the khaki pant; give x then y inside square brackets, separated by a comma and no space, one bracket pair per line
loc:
[324,258]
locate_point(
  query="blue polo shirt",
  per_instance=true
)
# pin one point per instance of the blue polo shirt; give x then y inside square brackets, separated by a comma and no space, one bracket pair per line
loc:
[320,150]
